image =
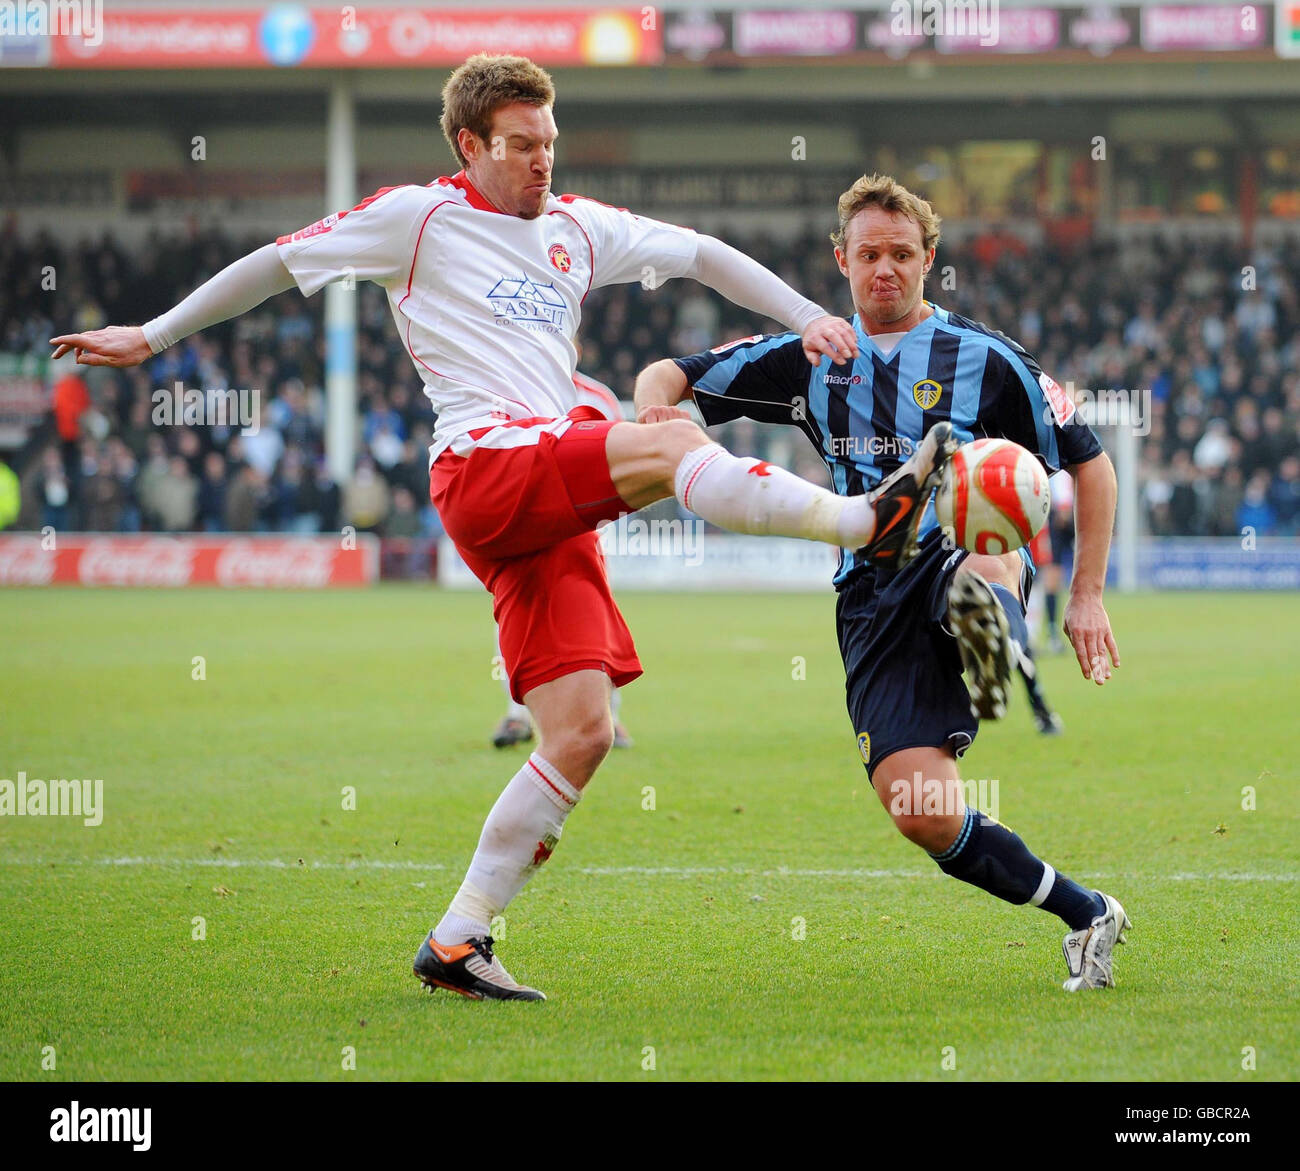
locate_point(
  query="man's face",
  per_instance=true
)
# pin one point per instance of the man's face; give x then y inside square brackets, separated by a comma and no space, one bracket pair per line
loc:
[512,168]
[886,265]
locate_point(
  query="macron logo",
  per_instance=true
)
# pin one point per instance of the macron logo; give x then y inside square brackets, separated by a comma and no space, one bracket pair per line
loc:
[102,1124]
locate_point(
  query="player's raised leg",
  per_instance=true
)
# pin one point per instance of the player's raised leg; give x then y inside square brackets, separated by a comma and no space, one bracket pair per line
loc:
[921,789]
[651,461]
[986,617]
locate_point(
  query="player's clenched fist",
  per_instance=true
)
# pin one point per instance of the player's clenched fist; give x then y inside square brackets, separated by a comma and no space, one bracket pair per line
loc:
[115,345]
[660,414]
[832,336]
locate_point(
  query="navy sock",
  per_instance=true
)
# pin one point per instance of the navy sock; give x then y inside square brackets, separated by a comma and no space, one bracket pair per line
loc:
[1050,600]
[1015,615]
[988,855]
[1076,904]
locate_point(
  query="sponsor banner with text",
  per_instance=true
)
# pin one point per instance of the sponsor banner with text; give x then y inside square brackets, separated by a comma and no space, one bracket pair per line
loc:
[90,559]
[1219,563]
[297,36]
[893,31]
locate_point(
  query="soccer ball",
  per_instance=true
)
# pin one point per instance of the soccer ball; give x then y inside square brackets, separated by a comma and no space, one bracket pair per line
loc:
[993,496]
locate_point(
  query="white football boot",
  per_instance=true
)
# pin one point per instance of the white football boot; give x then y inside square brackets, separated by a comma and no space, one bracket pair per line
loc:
[1087,952]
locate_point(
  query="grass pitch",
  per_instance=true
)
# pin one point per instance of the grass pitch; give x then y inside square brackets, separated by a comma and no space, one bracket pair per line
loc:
[763,920]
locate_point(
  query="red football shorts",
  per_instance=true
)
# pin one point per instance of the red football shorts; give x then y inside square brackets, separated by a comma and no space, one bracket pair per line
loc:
[522,508]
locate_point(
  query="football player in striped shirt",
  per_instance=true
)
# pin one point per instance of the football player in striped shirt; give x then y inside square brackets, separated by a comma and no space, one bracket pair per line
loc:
[908,629]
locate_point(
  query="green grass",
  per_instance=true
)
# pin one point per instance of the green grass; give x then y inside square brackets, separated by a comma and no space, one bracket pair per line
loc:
[669,928]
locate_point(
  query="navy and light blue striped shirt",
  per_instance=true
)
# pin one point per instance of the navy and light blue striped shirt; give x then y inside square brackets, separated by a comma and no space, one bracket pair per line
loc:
[867,418]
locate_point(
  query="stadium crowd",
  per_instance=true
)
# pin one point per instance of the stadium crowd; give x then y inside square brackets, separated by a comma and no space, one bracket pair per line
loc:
[1204,340]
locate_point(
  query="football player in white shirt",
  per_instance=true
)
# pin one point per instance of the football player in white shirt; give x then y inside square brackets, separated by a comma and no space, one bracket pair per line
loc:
[486,272]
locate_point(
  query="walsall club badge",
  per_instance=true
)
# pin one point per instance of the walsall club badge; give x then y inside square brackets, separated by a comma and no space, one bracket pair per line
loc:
[560,257]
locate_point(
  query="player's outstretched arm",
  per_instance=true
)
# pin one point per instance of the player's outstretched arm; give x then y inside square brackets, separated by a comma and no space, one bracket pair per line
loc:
[236,289]
[659,388]
[1087,625]
[745,282]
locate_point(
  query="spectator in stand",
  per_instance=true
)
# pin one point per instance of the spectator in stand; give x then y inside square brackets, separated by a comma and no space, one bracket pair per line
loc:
[1215,448]
[261,444]
[176,495]
[212,494]
[101,497]
[291,414]
[135,434]
[1255,513]
[1184,501]
[404,520]
[365,498]
[385,443]
[1284,496]
[148,483]
[246,496]
[50,489]
[10,495]
[295,508]
[327,498]
[1226,494]
[70,402]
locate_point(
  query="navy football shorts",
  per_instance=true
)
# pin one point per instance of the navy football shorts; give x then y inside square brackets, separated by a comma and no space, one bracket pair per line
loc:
[902,668]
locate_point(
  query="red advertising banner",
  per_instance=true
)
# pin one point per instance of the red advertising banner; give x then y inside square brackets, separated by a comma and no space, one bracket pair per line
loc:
[90,559]
[290,35]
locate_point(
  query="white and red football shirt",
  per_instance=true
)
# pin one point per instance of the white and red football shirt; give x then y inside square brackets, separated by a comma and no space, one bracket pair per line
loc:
[594,393]
[487,304]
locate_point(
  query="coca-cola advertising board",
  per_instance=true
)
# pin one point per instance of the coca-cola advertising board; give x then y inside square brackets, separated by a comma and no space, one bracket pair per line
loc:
[89,559]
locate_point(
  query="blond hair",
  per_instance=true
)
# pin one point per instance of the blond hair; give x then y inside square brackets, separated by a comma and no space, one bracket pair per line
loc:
[481,86]
[886,193]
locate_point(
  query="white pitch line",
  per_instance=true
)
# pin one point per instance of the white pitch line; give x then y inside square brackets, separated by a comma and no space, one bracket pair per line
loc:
[598,871]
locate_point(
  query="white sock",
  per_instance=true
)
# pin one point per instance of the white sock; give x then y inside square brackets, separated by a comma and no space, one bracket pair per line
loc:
[753,496]
[615,703]
[518,836]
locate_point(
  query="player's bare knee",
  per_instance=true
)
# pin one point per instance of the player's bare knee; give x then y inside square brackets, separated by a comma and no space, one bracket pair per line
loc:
[643,457]
[996,569]
[934,833]
[581,745]
[671,440]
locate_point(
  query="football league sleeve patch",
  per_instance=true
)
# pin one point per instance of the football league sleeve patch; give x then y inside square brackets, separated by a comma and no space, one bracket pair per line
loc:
[374,241]
[1038,413]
